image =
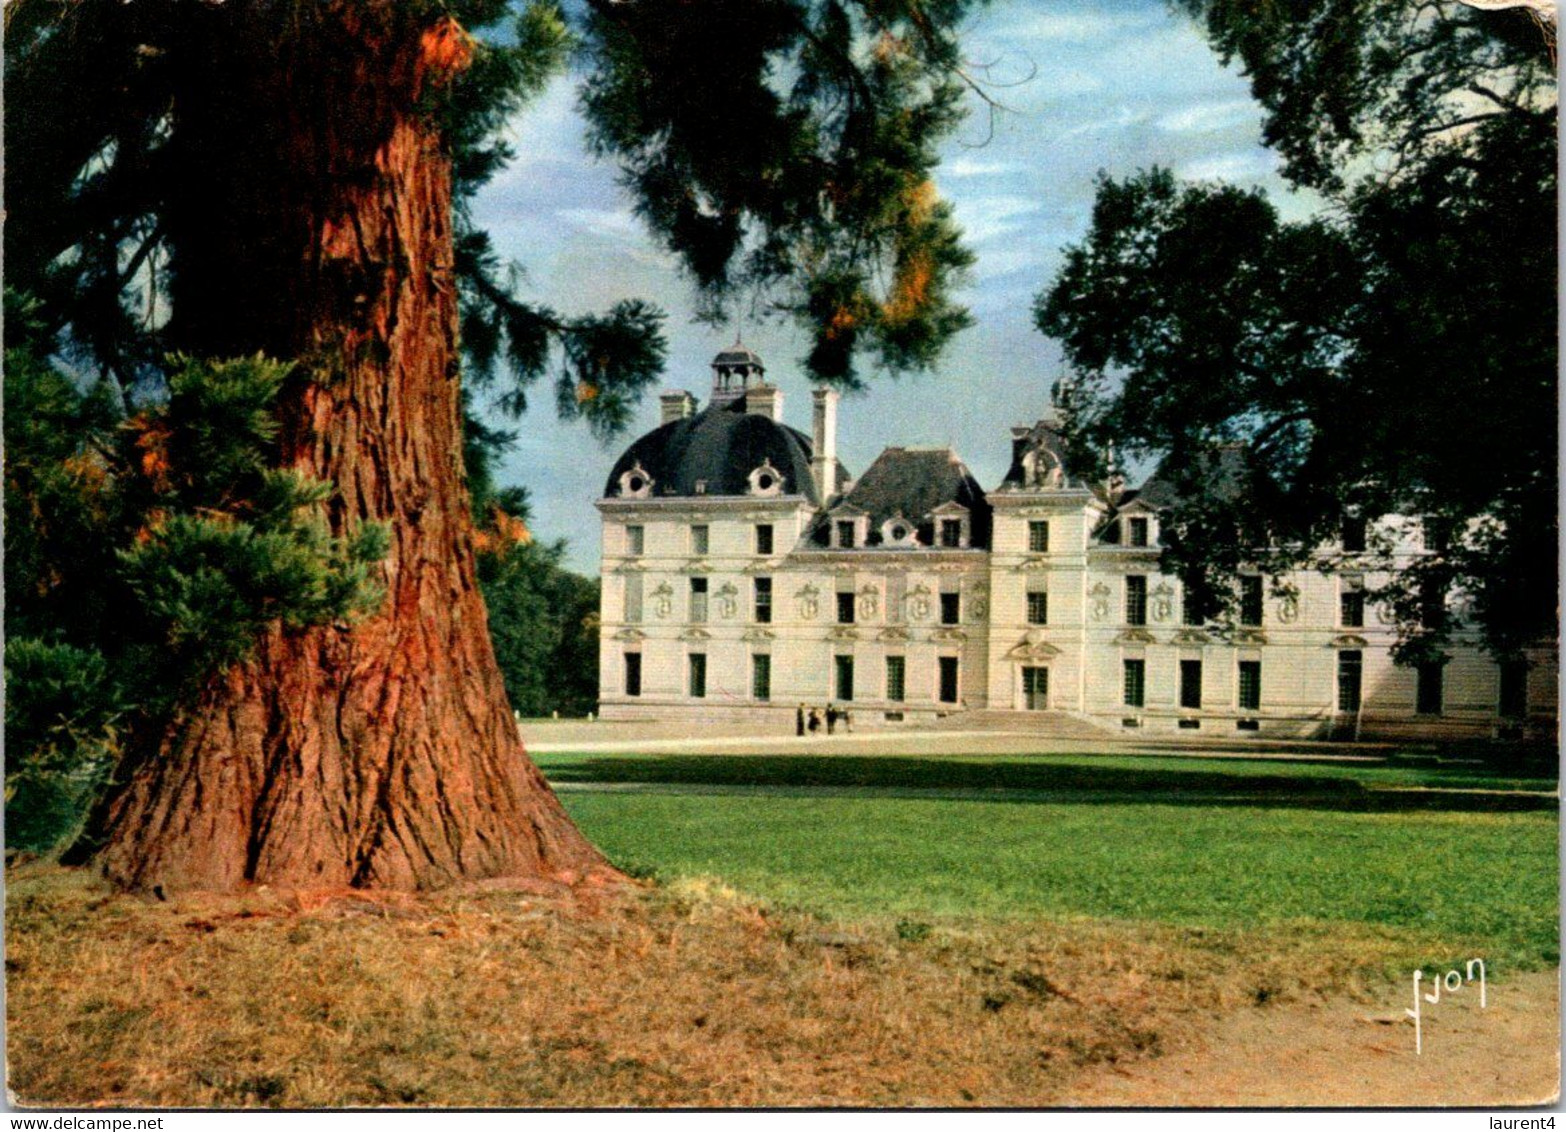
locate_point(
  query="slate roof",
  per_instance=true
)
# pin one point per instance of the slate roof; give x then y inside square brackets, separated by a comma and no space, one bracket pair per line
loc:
[721,445]
[913,482]
[1226,469]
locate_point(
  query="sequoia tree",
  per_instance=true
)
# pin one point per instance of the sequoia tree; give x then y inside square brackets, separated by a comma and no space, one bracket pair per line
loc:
[275,177]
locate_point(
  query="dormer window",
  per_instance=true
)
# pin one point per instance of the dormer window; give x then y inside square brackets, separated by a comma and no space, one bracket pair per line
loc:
[897,531]
[766,480]
[951,527]
[1136,530]
[636,483]
[843,533]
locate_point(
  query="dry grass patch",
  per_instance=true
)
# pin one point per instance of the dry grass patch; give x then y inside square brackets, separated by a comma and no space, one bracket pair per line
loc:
[644,997]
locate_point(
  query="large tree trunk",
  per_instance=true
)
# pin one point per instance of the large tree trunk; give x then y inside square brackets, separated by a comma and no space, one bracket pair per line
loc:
[313,221]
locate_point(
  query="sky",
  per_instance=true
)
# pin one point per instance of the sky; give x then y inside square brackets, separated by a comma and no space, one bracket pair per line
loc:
[1110,85]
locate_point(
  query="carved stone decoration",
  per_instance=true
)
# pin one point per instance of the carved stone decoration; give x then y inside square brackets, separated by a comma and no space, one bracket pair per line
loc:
[981,609]
[843,633]
[869,602]
[663,600]
[630,635]
[948,634]
[893,633]
[1384,614]
[919,603]
[694,634]
[1033,646]
[728,601]
[1288,609]
[1099,601]
[1136,637]
[808,601]
[1349,641]
[757,634]
[1190,636]
[1163,602]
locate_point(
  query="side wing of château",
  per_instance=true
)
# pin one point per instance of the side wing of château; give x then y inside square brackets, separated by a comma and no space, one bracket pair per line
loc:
[745,572]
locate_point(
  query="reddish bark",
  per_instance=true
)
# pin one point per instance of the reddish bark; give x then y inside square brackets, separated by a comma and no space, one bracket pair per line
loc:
[313,221]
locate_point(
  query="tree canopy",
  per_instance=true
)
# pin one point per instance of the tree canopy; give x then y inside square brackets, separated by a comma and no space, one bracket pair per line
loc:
[1394,353]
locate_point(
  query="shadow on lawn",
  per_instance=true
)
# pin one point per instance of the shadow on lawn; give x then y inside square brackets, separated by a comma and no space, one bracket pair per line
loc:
[1041,782]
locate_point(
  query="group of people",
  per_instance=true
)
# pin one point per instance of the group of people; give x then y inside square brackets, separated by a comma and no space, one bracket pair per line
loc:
[811,720]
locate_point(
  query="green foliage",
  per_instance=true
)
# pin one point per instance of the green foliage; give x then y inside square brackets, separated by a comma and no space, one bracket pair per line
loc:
[543,622]
[140,556]
[1396,354]
[783,149]
[60,712]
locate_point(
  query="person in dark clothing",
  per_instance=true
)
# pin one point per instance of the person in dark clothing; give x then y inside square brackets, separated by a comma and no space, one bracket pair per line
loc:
[831,718]
[799,720]
[815,721]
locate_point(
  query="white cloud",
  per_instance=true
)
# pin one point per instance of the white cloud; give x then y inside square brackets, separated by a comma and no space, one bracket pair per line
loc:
[1210,117]
[1235,168]
[986,218]
[613,224]
[973,167]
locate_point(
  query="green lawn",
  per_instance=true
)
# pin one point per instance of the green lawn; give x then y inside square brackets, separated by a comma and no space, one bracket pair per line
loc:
[1221,843]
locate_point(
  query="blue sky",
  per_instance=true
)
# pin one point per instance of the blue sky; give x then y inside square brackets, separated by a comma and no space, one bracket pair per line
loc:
[1117,85]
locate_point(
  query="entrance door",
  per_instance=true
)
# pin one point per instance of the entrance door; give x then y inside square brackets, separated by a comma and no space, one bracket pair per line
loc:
[1035,689]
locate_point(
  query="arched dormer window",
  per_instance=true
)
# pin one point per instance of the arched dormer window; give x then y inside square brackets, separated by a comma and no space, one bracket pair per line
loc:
[636,483]
[766,480]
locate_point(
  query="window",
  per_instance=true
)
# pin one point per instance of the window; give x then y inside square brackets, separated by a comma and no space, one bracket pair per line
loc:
[633,673]
[633,598]
[1514,689]
[845,533]
[1353,535]
[699,540]
[1038,536]
[1190,683]
[1134,682]
[1193,610]
[1136,599]
[1251,600]
[764,538]
[761,677]
[1351,604]
[1432,604]
[844,671]
[763,601]
[1250,685]
[896,679]
[1038,607]
[951,532]
[948,679]
[1427,691]
[845,608]
[1136,532]
[1351,667]
[951,609]
[635,541]
[698,675]
[698,599]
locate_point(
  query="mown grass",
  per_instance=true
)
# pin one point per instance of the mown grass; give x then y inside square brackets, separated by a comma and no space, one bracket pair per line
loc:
[1226,845]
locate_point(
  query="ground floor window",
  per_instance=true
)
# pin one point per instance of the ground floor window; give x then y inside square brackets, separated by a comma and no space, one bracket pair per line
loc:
[1351,668]
[845,677]
[1035,688]
[633,673]
[896,679]
[761,677]
[948,679]
[1514,689]
[1134,682]
[1250,685]
[1427,689]
[1190,683]
[698,675]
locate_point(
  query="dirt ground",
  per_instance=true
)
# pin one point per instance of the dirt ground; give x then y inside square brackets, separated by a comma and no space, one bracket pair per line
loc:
[1338,1053]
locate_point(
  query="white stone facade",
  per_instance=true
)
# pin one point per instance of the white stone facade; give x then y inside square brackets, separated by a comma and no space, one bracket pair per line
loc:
[720,604]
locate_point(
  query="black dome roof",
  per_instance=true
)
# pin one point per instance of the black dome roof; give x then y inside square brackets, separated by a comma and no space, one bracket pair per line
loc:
[721,445]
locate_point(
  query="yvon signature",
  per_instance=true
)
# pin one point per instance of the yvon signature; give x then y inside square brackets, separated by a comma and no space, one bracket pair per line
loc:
[1452,982]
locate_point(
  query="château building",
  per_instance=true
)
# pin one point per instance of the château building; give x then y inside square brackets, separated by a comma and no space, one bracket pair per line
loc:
[745,571]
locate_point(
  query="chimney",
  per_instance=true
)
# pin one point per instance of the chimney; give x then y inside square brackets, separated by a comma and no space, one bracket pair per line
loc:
[823,459]
[765,400]
[676,405]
